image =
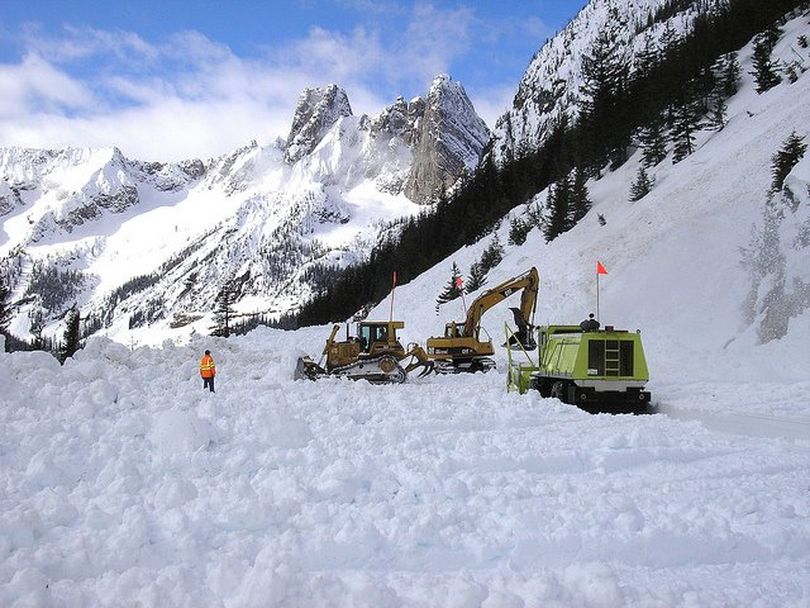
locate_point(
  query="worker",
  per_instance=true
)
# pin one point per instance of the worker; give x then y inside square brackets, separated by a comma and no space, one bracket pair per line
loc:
[208,370]
[589,324]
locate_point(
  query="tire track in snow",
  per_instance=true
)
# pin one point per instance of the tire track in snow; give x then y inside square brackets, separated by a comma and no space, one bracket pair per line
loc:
[751,425]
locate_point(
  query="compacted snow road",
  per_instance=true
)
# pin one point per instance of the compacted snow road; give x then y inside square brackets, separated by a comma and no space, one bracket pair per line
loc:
[123,483]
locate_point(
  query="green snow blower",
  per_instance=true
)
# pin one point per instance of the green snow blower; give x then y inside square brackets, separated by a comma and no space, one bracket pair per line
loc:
[598,370]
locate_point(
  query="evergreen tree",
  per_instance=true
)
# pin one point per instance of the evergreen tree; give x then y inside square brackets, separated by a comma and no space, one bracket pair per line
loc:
[764,74]
[685,122]
[785,159]
[602,220]
[580,204]
[518,230]
[771,35]
[535,214]
[729,74]
[558,204]
[717,110]
[492,255]
[605,73]
[223,311]
[452,290]
[71,338]
[36,327]
[642,186]
[5,310]
[653,143]
[476,278]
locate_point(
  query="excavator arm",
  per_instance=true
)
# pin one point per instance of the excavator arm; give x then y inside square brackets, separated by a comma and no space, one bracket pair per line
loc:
[529,282]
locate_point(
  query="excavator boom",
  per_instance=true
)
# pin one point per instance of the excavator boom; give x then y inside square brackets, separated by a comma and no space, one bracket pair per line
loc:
[461,350]
[529,282]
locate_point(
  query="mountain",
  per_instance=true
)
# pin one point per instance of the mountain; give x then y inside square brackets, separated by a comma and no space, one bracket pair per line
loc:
[711,265]
[448,134]
[138,244]
[553,87]
[449,490]
[669,82]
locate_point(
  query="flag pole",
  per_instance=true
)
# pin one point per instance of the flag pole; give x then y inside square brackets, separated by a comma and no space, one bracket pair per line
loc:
[597,296]
[393,289]
[460,287]
[600,269]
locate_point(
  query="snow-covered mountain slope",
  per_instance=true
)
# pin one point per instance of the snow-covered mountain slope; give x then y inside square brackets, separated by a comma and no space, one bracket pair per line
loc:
[552,85]
[147,244]
[122,479]
[677,269]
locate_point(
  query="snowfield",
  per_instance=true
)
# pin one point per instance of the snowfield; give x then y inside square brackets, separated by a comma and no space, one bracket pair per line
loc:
[125,484]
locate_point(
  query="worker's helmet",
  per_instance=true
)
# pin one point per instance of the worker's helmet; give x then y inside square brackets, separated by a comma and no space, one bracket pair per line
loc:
[208,352]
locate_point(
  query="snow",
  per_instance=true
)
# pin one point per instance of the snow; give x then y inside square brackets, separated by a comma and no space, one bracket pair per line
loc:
[250,216]
[122,482]
[122,478]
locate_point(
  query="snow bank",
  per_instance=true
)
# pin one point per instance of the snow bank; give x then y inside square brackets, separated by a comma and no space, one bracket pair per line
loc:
[124,481]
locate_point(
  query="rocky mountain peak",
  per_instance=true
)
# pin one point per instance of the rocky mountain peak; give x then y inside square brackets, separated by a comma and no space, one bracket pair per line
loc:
[400,119]
[317,110]
[450,140]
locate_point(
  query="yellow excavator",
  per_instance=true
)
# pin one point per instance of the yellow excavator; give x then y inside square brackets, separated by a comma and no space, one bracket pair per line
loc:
[462,350]
[374,354]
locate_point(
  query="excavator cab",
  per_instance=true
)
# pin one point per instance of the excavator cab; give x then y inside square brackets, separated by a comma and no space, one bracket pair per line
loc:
[454,330]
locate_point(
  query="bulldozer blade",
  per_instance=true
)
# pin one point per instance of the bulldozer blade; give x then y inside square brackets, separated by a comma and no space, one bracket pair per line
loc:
[307,369]
[299,373]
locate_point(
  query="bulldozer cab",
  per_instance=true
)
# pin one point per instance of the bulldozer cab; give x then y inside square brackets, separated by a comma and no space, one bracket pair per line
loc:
[379,336]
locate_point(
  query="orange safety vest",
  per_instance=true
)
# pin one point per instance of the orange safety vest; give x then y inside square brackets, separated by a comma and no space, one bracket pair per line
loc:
[207,367]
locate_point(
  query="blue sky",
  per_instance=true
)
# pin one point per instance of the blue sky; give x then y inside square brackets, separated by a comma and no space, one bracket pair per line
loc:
[169,80]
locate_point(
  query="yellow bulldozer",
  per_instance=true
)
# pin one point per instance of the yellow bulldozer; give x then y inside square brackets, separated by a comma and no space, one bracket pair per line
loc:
[374,354]
[461,348]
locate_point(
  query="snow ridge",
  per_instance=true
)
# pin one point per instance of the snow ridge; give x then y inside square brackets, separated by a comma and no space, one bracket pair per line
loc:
[153,243]
[552,84]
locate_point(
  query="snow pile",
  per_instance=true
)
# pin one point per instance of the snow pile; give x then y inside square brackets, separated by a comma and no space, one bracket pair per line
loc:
[124,481]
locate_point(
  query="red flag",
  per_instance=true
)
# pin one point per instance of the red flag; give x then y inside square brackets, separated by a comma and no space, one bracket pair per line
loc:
[394,279]
[600,269]
[459,282]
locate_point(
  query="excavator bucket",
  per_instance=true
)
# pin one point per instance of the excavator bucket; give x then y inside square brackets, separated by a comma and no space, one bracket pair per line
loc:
[523,338]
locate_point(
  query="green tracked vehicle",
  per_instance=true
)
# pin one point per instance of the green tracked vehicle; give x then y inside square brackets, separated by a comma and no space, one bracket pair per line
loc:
[595,369]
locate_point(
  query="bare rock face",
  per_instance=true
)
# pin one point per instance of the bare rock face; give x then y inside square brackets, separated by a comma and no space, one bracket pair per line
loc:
[449,141]
[318,109]
[401,119]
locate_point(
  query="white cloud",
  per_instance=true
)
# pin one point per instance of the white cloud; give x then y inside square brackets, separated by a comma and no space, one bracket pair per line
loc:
[35,83]
[77,43]
[188,96]
[433,39]
[491,103]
